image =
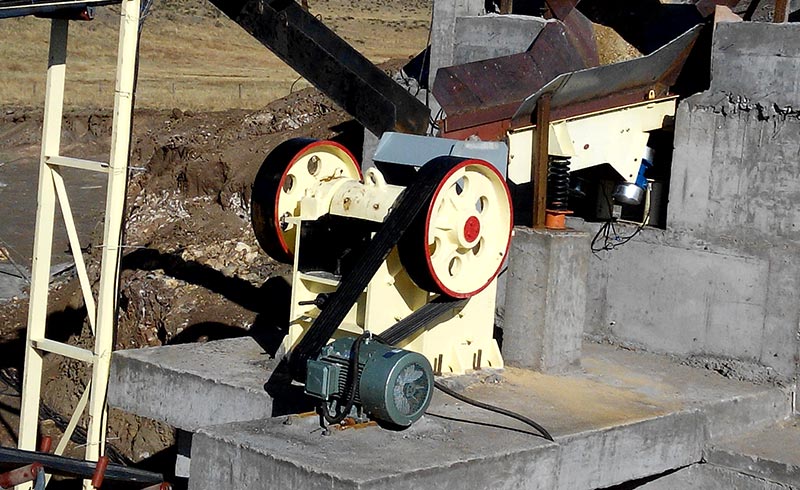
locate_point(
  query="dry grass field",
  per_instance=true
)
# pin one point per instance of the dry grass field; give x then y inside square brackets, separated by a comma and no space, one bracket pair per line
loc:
[192,57]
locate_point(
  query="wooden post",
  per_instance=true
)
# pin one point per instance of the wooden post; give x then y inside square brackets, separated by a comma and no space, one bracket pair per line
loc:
[541,136]
[506,6]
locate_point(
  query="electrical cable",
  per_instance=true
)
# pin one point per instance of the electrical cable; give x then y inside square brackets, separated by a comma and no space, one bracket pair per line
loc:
[432,121]
[11,379]
[492,408]
[351,388]
[610,237]
[6,250]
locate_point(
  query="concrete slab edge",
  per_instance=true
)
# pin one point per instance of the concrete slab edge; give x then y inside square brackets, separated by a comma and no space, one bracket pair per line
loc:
[751,410]
[138,376]
[772,471]
[592,459]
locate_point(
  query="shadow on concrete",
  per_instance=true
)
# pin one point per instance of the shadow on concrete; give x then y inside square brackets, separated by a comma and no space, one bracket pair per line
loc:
[633,484]
[287,398]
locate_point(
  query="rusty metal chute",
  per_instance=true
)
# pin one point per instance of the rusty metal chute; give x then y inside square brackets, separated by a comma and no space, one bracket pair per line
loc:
[489,92]
[627,82]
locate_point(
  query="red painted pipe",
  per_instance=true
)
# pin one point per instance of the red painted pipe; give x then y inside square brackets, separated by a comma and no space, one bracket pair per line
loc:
[100,472]
[20,475]
[46,444]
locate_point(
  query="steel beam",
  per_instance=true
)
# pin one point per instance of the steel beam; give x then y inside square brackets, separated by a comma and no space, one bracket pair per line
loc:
[330,64]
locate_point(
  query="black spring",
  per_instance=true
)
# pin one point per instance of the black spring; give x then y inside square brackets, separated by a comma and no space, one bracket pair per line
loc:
[558,183]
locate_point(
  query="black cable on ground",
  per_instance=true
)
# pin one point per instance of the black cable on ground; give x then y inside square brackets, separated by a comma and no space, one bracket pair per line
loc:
[492,408]
[11,379]
[351,386]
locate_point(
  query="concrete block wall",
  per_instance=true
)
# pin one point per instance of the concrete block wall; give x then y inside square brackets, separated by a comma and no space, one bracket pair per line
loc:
[463,32]
[545,284]
[722,283]
[736,164]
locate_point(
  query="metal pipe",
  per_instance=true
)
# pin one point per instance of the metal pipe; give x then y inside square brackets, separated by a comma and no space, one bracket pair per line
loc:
[20,475]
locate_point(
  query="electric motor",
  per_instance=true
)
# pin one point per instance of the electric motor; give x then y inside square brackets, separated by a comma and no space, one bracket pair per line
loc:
[393,385]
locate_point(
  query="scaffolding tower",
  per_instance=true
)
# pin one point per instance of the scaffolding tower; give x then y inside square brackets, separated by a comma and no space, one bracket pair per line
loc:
[52,191]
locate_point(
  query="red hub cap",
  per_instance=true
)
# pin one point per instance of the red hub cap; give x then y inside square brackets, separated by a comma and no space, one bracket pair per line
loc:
[472,229]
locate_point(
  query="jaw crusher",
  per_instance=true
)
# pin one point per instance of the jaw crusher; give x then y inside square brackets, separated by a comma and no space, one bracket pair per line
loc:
[390,283]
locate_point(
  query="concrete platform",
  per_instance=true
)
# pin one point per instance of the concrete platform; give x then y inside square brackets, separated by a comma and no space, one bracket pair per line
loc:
[622,416]
[194,385]
[771,453]
[711,477]
[766,458]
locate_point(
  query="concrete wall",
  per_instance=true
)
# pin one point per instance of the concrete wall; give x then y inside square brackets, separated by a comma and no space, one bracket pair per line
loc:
[545,282]
[491,36]
[463,32]
[722,283]
[445,13]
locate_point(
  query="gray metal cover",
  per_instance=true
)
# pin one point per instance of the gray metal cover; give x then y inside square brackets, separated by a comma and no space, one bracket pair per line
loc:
[407,149]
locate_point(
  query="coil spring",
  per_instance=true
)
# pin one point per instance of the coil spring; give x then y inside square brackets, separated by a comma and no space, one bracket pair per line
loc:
[558,183]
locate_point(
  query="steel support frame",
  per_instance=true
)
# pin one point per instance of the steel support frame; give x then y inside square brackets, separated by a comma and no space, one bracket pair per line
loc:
[52,191]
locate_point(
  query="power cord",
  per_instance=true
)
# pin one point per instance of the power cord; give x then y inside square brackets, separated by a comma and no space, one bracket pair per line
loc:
[608,234]
[351,388]
[502,411]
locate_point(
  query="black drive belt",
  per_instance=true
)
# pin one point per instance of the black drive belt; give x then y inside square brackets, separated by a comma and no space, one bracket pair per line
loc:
[414,322]
[408,205]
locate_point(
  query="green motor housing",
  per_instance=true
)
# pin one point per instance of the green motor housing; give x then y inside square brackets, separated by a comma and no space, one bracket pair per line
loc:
[394,386]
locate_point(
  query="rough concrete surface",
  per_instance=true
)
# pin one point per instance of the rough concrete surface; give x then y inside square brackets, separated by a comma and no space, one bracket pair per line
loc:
[12,282]
[711,289]
[443,28]
[545,299]
[747,55]
[711,477]
[193,385]
[771,453]
[624,415]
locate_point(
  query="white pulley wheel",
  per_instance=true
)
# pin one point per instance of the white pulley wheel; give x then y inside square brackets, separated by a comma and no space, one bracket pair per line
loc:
[288,172]
[459,242]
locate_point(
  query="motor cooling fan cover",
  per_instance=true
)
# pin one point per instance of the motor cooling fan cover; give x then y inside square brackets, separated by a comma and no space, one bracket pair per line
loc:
[396,386]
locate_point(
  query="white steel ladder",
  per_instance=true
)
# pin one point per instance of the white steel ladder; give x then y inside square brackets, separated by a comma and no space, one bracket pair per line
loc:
[101,313]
